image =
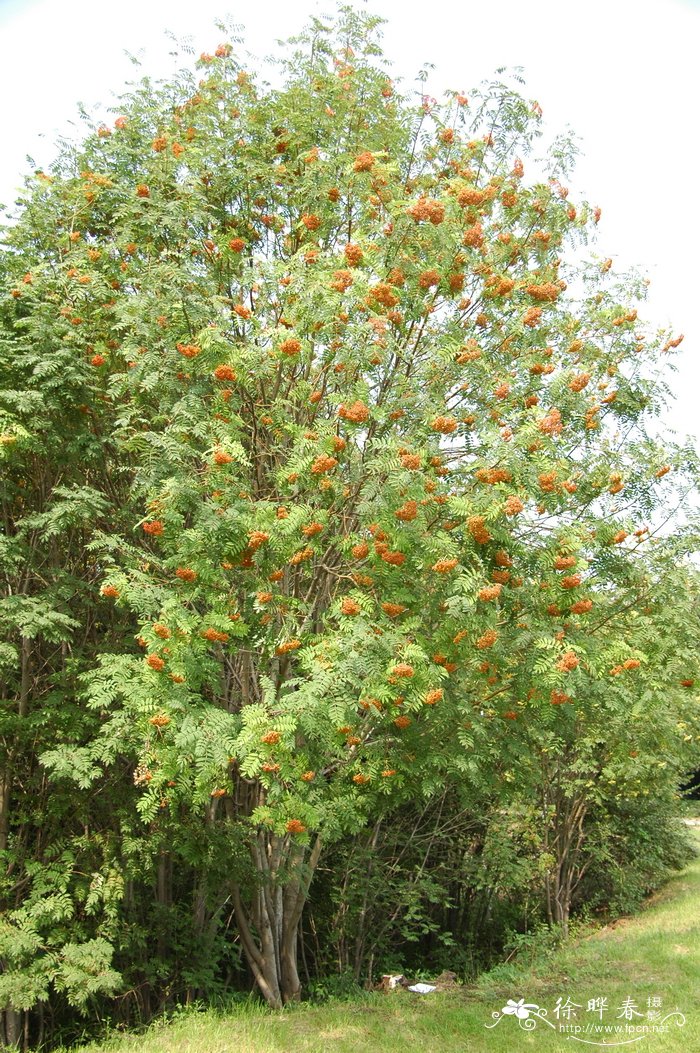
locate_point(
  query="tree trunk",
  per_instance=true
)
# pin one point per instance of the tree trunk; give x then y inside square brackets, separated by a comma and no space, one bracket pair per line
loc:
[269,926]
[361,937]
[5,787]
[564,840]
[164,900]
[12,1027]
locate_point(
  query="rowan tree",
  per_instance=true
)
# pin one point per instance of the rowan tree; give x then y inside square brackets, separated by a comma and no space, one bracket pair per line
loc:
[616,739]
[385,430]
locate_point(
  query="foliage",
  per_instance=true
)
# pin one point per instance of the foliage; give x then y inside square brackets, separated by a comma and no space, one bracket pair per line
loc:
[332,478]
[634,959]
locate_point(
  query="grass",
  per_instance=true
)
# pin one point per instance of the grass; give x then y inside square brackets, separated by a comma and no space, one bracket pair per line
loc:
[655,954]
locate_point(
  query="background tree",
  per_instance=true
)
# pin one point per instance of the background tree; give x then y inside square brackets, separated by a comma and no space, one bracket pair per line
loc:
[373,476]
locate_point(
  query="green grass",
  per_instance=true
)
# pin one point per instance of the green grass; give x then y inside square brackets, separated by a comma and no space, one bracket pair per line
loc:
[654,954]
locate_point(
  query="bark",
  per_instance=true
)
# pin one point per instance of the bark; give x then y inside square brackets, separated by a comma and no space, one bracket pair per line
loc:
[564,840]
[26,679]
[203,922]
[5,785]
[12,1027]
[163,898]
[269,923]
[361,937]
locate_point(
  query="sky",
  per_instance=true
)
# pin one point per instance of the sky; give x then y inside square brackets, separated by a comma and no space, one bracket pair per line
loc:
[620,73]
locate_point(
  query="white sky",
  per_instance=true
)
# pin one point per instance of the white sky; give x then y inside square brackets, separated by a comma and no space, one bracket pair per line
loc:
[621,73]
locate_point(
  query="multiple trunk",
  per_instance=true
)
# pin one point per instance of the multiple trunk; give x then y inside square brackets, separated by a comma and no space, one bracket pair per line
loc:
[565,811]
[268,922]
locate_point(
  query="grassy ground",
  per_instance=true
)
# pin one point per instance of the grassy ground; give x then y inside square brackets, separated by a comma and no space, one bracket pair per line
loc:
[655,955]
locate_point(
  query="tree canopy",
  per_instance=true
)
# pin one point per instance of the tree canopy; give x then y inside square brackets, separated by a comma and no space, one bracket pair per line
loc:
[332,477]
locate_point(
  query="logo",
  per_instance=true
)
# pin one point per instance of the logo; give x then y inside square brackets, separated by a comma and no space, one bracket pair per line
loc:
[598,1023]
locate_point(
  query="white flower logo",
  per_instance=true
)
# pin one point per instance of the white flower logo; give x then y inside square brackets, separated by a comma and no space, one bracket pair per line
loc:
[519,1009]
[526,1013]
